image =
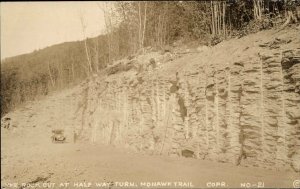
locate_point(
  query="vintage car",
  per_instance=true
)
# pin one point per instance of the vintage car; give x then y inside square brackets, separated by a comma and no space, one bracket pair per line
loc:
[58,136]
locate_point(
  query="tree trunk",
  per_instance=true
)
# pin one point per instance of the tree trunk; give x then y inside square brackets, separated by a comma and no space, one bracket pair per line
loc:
[72,69]
[86,46]
[212,19]
[51,78]
[145,21]
[257,9]
[290,17]
[224,24]
[108,29]
[140,26]
[87,56]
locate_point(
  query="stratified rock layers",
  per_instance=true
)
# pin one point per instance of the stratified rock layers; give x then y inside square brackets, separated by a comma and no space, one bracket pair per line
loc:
[244,110]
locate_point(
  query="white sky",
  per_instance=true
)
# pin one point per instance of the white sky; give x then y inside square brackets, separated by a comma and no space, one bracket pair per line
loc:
[26,26]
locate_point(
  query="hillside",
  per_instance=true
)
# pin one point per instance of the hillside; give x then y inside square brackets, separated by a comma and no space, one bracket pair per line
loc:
[30,76]
[232,108]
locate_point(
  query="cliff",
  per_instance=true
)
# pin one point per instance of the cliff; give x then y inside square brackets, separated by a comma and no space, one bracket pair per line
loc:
[236,102]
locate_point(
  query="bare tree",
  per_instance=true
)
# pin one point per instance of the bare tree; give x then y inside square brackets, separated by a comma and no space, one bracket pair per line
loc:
[96,54]
[257,9]
[145,21]
[140,26]
[108,27]
[50,75]
[83,25]
[72,69]
[218,25]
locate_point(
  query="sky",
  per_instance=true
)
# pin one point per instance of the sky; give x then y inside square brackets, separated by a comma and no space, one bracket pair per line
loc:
[29,26]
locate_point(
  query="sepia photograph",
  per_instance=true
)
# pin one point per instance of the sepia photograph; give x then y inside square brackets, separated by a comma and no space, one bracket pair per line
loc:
[150,94]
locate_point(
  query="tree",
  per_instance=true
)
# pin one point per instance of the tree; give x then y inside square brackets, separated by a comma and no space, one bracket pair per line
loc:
[89,64]
[218,25]
[257,9]
[50,75]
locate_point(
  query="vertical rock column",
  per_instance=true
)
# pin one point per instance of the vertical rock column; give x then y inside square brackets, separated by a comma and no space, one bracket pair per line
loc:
[252,121]
[272,105]
[200,102]
[189,94]
[80,112]
[162,119]
[171,88]
[235,82]
[148,104]
[88,119]
[195,91]
[222,131]
[291,80]
[125,113]
[184,108]
[211,113]
[177,117]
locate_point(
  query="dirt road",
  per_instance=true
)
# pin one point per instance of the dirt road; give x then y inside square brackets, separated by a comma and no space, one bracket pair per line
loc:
[32,158]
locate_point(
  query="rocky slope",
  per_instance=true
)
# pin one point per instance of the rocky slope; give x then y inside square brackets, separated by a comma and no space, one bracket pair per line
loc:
[236,102]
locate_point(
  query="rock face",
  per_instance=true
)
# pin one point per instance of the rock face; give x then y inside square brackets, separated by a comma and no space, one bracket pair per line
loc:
[238,102]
